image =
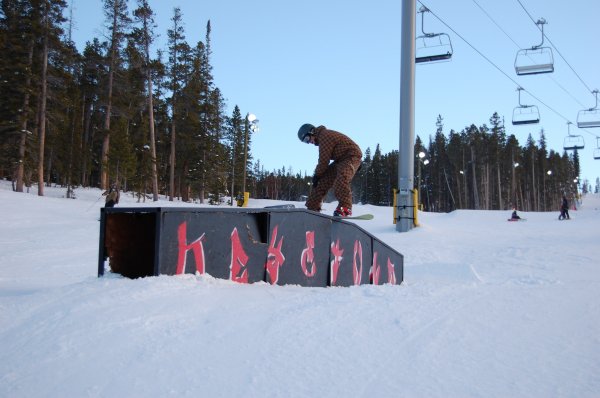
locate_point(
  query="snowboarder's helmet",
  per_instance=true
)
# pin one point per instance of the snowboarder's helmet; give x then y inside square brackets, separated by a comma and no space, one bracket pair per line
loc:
[305,131]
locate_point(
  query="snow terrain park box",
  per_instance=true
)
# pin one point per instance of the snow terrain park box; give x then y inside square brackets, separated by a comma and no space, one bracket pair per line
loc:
[277,246]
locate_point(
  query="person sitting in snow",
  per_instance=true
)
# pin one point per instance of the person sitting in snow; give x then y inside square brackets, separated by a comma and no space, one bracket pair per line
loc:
[515,216]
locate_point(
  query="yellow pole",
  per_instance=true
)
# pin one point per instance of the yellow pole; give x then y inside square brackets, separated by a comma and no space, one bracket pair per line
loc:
[395,201]
[415,209]
[246,198]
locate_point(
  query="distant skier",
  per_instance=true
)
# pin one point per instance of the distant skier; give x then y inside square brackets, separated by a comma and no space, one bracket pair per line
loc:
[346,156]
[564,209]
[515,216]
[112,196]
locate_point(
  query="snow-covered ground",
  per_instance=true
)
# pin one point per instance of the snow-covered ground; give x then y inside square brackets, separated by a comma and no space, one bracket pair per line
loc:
[488,308]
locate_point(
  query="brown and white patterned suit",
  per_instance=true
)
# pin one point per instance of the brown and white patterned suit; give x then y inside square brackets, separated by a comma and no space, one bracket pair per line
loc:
[346,156]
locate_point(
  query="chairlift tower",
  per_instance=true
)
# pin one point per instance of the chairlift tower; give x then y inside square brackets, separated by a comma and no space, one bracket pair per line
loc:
[589,117]
[431,47]
[537,59]
[406,149]
[525,114]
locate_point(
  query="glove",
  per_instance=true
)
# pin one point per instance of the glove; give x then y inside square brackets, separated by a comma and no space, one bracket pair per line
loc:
[315,181]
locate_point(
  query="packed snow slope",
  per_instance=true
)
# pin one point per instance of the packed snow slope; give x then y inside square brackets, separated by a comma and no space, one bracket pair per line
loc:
[488,308]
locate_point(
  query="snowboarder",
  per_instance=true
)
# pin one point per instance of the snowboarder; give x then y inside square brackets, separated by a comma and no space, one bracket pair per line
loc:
[346,156]
[564,209]
[515,216]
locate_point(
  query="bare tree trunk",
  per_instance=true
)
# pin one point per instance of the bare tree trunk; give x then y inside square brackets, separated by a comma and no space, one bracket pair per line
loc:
[534,191]
[49,167]
[513,182]
[172,160]
[465,185]
[544,198]
[520,194]
[150,111]
[152,140]
[487,187]
[183,187]
[70,165]
[25,116]
[42,110]
[475,190]
[85,123]
[106,140]
[500,204]
[460,204]
[111,72]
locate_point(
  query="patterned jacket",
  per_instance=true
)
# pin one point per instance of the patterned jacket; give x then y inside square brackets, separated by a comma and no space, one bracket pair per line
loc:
[334,146]
[112,195]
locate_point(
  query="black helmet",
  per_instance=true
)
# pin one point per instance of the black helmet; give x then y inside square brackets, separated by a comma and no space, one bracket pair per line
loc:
[305,131]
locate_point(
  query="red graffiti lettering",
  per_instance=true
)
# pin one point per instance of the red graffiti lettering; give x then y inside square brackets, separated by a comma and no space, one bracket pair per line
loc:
[336,252]
[356,272]
[308,256]
[196,247]
[275,258]
[238,271]
[375,273]
[391,272]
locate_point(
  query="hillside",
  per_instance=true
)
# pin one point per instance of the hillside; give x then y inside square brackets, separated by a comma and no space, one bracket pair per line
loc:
[488,308]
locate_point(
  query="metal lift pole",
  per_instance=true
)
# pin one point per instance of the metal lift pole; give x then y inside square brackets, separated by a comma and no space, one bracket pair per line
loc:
[406,173]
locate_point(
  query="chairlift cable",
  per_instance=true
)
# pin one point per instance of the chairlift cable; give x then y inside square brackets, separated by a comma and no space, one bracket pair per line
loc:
[493,64]
[496,23]
[518,46]
[470,45]
[552,44]
[498,68]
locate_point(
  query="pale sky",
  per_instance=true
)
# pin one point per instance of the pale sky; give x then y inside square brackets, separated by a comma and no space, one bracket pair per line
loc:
[337,63]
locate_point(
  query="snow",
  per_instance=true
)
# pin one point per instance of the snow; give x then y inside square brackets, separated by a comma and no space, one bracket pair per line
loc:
[488,308]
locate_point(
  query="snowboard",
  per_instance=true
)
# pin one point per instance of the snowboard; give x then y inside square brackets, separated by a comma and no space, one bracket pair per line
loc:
[291,206]
[288,206]
[517,219]
[359,217]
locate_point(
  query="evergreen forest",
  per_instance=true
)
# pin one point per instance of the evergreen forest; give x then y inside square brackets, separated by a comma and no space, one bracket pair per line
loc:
[157,124]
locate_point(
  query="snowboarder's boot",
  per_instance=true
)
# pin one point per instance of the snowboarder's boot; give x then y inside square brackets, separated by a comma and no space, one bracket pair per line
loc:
[341,211]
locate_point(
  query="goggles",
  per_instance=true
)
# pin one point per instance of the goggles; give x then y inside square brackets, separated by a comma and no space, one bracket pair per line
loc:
[306,138]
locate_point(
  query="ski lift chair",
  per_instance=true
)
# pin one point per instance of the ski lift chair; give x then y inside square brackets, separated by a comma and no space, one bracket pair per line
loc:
[597,150]
[525,114]
[589,117]
[535,60]
[432,47]
[573,141]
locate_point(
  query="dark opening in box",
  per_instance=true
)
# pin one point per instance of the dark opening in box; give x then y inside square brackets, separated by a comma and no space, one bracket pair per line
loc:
[129,240]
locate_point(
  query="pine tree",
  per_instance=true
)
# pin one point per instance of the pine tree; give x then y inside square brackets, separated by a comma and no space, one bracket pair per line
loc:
[377,178]
[512,154]
[178,52]
[418,167]
[496,142]
[456,164]
[118,21]
[89,84]
[366,177]
[235,137]
[51,18]
[143,36]
[19,27]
